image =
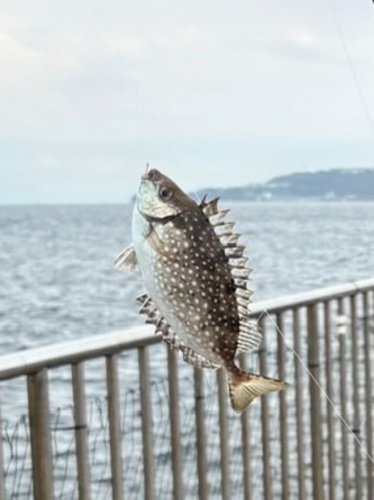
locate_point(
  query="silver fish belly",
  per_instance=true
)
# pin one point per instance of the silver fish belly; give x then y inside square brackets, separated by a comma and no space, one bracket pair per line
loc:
[190,282]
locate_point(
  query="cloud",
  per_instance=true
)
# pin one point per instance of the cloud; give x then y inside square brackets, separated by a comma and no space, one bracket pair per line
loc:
[208,90]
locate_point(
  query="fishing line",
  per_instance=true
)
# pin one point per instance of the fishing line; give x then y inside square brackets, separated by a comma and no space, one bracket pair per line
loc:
[321,389]
[133,90]
[197,197]
[351,67]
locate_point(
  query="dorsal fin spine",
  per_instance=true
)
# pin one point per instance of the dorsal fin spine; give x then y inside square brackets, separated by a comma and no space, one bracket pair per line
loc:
[211,208]
[238,262]
[219,217]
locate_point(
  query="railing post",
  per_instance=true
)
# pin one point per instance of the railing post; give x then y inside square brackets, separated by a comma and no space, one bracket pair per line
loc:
[356,397]
[2,475]
[283,424]
[246,442]
[40,435]
[81,431]
[299,404]
[330,410]
[224,434]
[175,425]
[315,403]
[369,360]
[342,331]
[266,438]
[202,460]
[147,424]
[115,436]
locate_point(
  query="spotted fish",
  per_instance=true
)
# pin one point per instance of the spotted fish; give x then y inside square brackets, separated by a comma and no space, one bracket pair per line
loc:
[196,277]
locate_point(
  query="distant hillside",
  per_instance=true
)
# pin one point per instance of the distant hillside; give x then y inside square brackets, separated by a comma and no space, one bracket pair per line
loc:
[339,184]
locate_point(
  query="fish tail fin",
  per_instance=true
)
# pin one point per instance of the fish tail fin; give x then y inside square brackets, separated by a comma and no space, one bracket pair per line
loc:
[245,387]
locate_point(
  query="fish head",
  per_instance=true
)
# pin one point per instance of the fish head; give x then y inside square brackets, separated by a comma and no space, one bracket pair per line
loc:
[159,197]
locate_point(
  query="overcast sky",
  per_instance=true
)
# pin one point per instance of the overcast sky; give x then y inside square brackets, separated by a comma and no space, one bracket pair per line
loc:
[211,92]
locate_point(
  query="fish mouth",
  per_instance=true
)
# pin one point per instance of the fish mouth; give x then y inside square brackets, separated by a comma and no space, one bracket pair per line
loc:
[145,176]
[152,175]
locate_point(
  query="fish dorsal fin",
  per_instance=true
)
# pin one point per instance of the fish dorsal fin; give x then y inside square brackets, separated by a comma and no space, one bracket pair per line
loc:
[154,317]
[210,208]
[249,334]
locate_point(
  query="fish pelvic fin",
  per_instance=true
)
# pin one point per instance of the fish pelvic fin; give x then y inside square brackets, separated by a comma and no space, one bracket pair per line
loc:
[246,387]
[127,260]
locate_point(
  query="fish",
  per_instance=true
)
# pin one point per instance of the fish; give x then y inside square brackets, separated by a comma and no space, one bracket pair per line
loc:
[195,274]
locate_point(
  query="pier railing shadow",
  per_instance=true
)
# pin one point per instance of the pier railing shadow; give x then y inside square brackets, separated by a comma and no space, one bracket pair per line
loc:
[120,416]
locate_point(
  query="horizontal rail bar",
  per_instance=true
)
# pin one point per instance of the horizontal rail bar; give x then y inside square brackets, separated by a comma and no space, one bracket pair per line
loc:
[308,298]
[51,356]
[32,360]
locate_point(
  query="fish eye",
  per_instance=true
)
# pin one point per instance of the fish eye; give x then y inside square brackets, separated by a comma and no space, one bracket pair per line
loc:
[165,193]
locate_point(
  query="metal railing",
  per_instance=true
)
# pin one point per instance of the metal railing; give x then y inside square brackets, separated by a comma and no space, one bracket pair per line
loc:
[179,438]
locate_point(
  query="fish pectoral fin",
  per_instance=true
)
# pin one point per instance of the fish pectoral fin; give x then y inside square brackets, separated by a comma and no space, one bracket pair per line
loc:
[126,260]
[245,387]
[155,243]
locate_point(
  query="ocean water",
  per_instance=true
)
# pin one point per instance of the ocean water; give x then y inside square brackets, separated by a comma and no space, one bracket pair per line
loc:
[58,284]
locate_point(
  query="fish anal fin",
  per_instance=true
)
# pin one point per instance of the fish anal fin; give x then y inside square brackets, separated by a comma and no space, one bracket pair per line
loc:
[154,317]
[192,358]
[143,298]
[126,260]
[147,304]
[246,387]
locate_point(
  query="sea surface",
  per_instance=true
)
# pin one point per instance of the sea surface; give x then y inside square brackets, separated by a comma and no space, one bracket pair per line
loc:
[58,283]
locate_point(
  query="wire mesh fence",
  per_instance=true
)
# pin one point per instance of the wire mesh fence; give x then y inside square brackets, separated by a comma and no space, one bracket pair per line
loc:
[15,422]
